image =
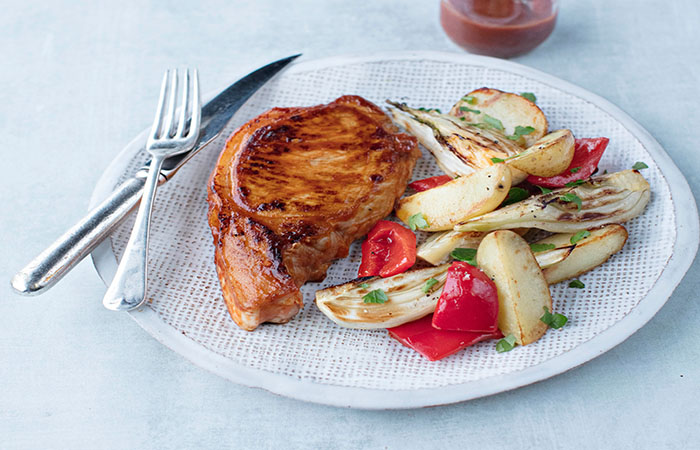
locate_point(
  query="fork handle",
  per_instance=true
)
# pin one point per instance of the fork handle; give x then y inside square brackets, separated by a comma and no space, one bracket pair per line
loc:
[128,288]
[75,244]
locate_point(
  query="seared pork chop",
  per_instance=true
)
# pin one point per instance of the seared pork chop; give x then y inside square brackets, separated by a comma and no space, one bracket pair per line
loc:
[291,190]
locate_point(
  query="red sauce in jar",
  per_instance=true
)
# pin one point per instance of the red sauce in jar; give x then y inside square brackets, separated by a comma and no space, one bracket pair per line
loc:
[502,28]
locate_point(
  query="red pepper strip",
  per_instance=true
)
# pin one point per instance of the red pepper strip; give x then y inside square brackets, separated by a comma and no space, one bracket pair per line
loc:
[389,249]
[587,154]
[429,183]
[469,301]
[436,344]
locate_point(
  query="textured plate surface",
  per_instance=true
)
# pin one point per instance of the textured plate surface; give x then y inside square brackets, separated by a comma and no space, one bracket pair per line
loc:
[311,358]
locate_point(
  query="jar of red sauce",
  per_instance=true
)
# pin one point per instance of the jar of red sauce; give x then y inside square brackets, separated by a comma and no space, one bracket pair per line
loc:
[502,28]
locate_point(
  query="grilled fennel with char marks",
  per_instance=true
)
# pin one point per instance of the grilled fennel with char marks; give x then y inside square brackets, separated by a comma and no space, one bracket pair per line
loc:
[458,147]
[409,298]
[612,198]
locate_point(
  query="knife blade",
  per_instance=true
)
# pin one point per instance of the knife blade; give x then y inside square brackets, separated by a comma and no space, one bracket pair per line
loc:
[47,268]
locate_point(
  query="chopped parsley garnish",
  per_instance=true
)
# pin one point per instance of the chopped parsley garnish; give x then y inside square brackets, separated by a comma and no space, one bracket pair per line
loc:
[575,183]
[497,160]
[571,198]
[364,286]
[545,190]
[555,320]
[520,131]
[529,95]
[580,235]
[375,296]
[465,109]
[575,169]
[639,166]
[469,99]
[577,284]
[492,122]
[429,285]
[462,118]
[536,248]
[468,255]
[430,109]
[516,194]
[417,221]
[478,125]
[506,344]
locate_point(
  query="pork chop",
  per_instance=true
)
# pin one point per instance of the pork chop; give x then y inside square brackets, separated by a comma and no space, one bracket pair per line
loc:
[292,189]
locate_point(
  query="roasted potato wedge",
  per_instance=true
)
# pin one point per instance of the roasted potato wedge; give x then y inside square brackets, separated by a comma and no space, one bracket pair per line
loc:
[460,199]
[588,253]
[522,289]
[549,156]
[509,110]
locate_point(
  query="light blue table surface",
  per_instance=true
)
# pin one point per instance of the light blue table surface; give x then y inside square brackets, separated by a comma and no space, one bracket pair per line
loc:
[78,81]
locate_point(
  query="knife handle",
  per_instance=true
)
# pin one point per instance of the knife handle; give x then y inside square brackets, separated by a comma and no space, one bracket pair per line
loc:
[75,244]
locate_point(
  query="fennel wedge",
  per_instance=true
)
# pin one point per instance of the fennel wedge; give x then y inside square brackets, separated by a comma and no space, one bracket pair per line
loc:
[458,147]
[611,198]
[407,299]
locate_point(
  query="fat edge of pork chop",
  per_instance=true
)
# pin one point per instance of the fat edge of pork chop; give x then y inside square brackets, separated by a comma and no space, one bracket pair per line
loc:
[292,189]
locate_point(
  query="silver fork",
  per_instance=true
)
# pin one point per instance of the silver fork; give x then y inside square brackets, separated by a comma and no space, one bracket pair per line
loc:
[128,288]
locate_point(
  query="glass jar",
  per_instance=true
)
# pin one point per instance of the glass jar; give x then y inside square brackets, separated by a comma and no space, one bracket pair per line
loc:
[502,28]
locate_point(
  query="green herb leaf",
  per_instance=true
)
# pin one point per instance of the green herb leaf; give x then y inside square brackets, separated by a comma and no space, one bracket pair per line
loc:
[547,316]
[558,321]
[536,248]
[469,99]
[465,109]
[430,109]
[462,118]
[429,284]
[492,122]
[577,284]
[497,160]
[605,172]
[468,255]
[375,296]
[506,344]
[529,95]
[417,221]
[478,125]
[575,169]
[580,235]
[555,320]
[571,198]
[575,183]
[515,194]
[364,286]
[545,190]
[437,110]
[639,166]
[520,131]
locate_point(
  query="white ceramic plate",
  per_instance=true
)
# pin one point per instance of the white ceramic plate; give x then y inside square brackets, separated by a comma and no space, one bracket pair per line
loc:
[311,358]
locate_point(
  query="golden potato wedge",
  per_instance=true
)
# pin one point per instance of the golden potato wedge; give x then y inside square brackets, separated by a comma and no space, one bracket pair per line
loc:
[509,110]
[522,289]
[549,156]
[469,196]
[588,253]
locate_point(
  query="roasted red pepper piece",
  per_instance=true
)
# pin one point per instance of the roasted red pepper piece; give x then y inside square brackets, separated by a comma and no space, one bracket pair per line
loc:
[469,301]
[436,344]
[429,183]
[587,154]
[388,250]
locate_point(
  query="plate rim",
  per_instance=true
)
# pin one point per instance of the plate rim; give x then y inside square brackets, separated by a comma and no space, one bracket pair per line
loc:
[687,233]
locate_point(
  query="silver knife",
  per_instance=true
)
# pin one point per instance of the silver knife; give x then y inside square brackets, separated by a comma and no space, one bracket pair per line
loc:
[76,243]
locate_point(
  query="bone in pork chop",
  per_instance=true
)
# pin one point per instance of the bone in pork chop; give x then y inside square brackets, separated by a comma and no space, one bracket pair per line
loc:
[292,189]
